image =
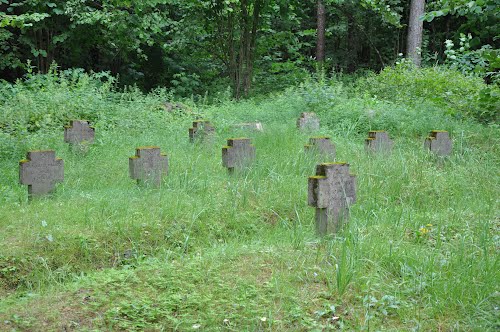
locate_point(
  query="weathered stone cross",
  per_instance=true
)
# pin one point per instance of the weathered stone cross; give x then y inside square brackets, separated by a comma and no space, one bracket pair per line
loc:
[331,191]
[148,165]
[79,132]
[201,130]
[41,170]
[378,141]
[308,121]
[238,153]
[439,142]
[322,145]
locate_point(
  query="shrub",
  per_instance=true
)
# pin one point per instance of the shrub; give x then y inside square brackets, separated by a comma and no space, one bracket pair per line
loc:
[458,95]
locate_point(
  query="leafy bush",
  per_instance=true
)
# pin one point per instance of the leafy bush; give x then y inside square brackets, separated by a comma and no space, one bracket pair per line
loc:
[458,95]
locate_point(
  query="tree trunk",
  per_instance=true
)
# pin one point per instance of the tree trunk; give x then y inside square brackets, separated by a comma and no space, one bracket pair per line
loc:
[320,43]
[250,54]
[415,30]
[352,52]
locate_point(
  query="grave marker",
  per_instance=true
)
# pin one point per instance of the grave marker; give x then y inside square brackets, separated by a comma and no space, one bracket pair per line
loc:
[41,170]
[331,191]
[439,142]
[378,141]
[308,121]
[148,165]
[253,126]
[322,145]
[238,153]
[79,132]
[201,131]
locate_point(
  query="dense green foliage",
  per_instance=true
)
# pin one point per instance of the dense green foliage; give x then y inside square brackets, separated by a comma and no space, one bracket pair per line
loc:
[210,251]
[194,46]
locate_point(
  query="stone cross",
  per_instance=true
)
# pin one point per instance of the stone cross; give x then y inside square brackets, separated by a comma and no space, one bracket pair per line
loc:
[378,141]
[148,165]
[79,132]
[238,153]
[331,191]
[253,126]
[201,130]
[322,145]
[41,170]
[439,142]
[308,121]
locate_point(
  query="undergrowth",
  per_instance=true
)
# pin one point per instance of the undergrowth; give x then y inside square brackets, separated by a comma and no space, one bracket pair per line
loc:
[211,251]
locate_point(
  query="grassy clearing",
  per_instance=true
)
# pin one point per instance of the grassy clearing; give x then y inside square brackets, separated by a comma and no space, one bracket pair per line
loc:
[210,251]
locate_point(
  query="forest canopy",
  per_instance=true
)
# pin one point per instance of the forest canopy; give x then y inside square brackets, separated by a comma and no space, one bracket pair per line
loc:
[192,46]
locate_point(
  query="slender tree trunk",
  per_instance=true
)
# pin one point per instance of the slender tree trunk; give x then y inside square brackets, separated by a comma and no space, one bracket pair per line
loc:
[352,52]
[320,43]
[415,30]
[250,54]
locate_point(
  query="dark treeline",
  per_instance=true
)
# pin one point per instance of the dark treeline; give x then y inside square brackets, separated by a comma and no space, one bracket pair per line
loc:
[191,46]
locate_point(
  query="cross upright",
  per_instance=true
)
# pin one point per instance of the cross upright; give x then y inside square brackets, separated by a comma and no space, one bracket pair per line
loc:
[41,170]
[322,145]
[201,130]
[148,165]
[238,153]
[308,121]
[439,142]
[378,141]
[331,191]
[79,132]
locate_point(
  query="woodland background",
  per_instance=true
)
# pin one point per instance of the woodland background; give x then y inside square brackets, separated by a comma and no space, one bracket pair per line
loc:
[251,46]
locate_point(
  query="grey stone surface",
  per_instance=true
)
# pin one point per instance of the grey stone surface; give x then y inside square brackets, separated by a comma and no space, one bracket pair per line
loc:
[201,131]
[439,142]
[331,191]
[254,126]
[308,121]
[321,145]
[41,170]
[79,132]
[378,141]
[148,165]
[238,153]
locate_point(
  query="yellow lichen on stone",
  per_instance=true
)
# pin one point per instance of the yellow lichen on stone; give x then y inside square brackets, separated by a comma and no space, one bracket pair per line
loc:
[334,163]
[147,147]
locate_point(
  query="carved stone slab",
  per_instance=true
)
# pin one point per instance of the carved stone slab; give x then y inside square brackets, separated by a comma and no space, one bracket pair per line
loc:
[331,191]
[252,126]
[148,165]
[201,131]
[79,132]
[41,170]
[308,121]
[321,145]
[238,153]
[439,142]
[378,141]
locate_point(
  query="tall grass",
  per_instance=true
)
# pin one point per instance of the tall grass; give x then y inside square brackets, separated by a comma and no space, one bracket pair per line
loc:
[420,251]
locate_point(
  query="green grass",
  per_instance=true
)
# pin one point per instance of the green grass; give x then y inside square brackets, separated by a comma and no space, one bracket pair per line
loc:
[213,251]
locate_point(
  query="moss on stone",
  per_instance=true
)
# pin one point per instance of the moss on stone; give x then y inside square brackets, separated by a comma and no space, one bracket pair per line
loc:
[334,163]
[147,147]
